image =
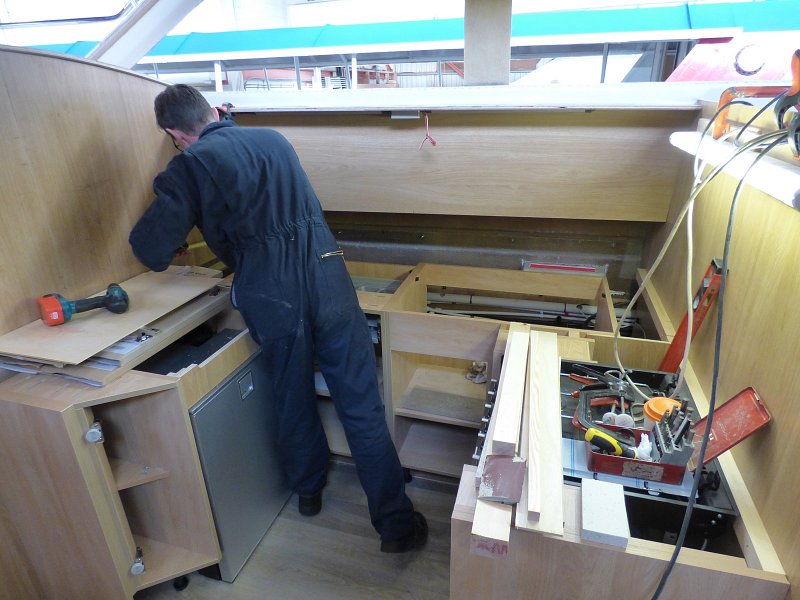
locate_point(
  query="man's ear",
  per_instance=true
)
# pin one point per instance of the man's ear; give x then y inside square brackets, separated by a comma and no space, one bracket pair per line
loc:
[179,136]
[215,113]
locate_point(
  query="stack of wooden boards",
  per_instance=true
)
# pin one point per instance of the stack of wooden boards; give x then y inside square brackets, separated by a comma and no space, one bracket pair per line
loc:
[523,444]
[97,346]
[519,477]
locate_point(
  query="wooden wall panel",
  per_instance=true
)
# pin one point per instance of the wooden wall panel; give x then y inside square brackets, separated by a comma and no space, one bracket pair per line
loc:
[605,164]
[759,340]
[80,148]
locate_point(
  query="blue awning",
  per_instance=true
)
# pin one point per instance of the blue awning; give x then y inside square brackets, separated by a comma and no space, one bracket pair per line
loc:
[756,16]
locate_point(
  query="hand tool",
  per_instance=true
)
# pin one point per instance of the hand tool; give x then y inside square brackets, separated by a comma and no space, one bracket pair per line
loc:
[670,448]
[705,296]
[583,380]
[608,443]
[55,309]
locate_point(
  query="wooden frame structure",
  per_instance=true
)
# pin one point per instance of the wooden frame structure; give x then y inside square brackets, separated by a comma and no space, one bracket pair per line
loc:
[65,228]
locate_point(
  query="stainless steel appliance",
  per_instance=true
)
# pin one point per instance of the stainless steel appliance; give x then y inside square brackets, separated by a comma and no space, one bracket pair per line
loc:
[235,430]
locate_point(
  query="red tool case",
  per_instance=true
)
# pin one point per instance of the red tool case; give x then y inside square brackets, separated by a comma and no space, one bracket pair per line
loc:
[735,420]
[632,467]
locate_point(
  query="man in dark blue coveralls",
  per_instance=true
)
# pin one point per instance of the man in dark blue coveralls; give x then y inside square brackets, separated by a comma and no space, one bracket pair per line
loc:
[246,191]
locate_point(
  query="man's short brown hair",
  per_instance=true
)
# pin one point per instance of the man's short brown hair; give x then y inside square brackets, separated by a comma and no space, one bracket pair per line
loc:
[182,107]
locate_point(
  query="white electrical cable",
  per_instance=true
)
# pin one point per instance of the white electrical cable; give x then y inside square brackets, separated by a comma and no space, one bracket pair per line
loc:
[714,374]
[671,235]
[699,168]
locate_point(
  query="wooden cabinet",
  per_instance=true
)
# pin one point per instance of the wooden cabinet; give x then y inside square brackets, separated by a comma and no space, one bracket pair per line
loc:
[551,566]
[84,510]
[435,410]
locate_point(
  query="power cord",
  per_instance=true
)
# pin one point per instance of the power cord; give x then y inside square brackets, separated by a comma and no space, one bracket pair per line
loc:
[699,167]
[715,372]
[698,171]
[671,235]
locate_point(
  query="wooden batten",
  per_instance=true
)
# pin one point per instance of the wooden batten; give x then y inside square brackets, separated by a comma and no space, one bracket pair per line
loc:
[606,319]
[541,506]
[657,313]
[566,287]
[508,406]
[491,524]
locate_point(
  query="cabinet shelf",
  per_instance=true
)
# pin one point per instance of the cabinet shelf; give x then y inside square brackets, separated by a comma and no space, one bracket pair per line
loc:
[434,447]
[443,394]
[129,474]
[164,562]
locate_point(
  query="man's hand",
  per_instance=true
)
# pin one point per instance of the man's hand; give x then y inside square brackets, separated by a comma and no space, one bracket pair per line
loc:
[224,111]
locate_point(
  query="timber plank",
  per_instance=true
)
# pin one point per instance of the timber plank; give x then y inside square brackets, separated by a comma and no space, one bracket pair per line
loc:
[541,505]
[505,440]
[151,295]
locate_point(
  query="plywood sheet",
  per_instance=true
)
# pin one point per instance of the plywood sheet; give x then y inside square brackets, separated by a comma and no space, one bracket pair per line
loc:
[543,164]
[80,177]
[151,295]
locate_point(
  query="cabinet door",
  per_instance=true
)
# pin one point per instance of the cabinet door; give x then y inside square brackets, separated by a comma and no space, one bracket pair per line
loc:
[57,496]
[149,443]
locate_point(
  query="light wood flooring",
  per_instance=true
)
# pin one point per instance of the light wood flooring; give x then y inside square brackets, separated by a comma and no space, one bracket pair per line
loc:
[335,555]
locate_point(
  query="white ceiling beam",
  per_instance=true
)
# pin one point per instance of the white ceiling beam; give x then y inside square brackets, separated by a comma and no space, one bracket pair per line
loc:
[146,25]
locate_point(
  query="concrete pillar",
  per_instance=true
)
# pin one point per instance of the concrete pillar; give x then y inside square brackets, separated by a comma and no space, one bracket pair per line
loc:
[487,42]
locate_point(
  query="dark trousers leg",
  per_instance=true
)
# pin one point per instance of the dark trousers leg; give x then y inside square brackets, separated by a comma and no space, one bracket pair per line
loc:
[347,360]
[302,445]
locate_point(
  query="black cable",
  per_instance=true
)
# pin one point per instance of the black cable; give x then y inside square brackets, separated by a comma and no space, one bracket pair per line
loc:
[752,120]
[714,117]
[714,375]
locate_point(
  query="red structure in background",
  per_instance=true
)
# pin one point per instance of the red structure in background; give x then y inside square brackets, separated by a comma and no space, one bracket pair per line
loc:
[751,57]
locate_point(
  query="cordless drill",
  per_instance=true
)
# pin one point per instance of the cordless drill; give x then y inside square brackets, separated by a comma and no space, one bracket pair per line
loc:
[55,309]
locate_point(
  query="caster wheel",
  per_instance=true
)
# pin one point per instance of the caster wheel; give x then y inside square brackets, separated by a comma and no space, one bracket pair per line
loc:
[180,583]
[407,476]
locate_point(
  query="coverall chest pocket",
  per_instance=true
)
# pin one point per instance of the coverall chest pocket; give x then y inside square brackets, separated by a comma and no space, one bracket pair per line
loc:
[270,309]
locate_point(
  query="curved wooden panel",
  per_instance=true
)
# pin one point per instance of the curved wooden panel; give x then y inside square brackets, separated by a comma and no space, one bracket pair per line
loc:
[80,148]
[605,164]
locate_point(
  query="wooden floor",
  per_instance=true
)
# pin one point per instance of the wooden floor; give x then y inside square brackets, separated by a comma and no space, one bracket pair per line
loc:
[335,555]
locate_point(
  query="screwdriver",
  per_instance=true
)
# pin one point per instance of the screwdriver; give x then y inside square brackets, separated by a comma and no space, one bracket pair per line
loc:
[608,443]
